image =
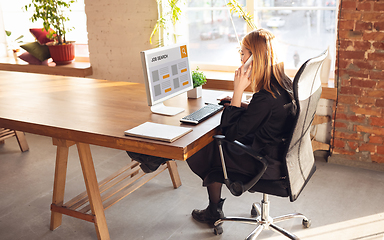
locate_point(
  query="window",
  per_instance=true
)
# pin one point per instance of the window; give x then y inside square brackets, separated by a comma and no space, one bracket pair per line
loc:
[303,28]
[16,20]
[212,39]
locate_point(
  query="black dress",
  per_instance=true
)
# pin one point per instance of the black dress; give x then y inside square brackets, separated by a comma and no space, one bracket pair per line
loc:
[263,125]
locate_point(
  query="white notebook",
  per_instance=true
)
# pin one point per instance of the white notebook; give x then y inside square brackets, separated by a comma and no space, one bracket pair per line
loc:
[157,131]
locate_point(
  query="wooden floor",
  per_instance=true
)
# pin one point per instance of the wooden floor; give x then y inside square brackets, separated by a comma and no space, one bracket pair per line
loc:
[343,202]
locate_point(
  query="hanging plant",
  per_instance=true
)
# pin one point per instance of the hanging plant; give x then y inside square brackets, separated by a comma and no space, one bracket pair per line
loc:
[171,17]
[165,19]
[235,7]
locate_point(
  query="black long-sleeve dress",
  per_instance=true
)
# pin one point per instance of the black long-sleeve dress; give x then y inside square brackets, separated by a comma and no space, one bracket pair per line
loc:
[263,125]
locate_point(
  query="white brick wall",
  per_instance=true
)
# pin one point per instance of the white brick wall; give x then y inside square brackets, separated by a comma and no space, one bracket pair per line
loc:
[117,31]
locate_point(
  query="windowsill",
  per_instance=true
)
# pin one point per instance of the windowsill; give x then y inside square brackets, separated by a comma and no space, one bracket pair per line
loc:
[80,67]
[224,81]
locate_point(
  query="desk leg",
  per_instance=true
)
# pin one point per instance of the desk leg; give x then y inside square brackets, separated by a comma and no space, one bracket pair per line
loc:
[22,141]
[93,191]
[175,177]
[60,176]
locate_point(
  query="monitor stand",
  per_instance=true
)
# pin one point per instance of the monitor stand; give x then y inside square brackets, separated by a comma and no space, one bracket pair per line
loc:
[160,108]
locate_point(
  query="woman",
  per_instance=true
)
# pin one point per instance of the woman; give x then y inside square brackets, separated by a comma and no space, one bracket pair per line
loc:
[263,124]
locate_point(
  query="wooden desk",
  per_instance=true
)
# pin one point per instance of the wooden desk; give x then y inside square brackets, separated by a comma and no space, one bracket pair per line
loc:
[78,111]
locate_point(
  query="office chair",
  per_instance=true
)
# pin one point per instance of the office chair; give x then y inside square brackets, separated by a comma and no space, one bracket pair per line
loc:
[299,160]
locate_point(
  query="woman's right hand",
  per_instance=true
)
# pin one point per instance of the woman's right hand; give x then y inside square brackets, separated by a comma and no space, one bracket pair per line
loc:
[225,101]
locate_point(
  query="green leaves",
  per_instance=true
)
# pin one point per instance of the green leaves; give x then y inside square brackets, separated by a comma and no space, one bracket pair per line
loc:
[164,16]
[51,12]
[175,11]
[160,23]
[9,33]
[13,43]
[198,78]
[235,7]
[20,37]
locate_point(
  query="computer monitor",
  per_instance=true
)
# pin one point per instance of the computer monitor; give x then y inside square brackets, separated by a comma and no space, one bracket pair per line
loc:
[166,74]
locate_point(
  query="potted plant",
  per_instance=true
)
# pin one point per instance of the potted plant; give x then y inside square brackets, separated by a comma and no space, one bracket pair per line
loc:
[52,14]
[199,79]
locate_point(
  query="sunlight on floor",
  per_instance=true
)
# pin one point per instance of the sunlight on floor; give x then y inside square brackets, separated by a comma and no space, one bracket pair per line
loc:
[365,228]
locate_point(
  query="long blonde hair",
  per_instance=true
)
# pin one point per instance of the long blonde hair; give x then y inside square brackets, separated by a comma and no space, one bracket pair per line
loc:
[259,43]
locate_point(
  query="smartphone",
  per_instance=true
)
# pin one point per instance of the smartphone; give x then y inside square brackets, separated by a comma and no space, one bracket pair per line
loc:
[247,63]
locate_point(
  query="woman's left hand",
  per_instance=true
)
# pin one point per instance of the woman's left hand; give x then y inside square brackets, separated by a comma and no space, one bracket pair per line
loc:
[241,82]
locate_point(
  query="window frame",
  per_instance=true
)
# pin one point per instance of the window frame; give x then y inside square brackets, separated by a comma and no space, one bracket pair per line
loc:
[250,4]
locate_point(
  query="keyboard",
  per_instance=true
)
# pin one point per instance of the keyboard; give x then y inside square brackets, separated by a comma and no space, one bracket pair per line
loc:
[202,114]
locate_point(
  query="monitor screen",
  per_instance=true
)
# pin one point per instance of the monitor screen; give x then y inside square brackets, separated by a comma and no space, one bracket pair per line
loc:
[166,74]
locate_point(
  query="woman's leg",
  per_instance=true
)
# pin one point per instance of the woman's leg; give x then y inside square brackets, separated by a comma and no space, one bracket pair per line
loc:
[214,192]
[214,211]
[201,163]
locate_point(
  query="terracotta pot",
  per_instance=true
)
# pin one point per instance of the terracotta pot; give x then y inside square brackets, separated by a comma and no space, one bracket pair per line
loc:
[62,54]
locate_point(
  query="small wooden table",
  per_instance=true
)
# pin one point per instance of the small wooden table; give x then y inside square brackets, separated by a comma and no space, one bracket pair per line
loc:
[82,111]
[8,133]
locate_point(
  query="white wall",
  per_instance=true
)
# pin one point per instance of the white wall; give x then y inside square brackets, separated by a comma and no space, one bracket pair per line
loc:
[3,43]
[117,31]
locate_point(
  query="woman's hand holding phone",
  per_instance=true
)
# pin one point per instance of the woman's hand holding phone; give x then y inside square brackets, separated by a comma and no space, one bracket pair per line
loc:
[241,82]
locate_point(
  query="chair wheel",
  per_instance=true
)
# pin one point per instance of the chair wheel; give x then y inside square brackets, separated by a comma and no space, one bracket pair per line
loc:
[218,230]
[306,223]
[253,212]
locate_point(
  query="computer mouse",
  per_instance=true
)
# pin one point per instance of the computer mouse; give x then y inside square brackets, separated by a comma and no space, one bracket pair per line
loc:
[224,101]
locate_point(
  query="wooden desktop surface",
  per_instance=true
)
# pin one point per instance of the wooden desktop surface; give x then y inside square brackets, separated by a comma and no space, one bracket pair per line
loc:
[83,111]
[96,112]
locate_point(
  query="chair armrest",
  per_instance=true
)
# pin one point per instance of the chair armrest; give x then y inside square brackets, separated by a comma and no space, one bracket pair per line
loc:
[237,188]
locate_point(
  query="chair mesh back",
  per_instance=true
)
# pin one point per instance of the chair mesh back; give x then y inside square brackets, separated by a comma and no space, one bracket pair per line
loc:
[307,90]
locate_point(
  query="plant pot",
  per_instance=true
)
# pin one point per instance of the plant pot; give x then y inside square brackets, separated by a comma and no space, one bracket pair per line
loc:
[196,92]
[62,54]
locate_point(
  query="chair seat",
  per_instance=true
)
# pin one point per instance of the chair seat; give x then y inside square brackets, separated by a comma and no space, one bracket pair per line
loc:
[271,187]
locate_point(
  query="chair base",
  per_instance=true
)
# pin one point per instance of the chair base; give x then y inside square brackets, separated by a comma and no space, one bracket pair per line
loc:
[263,221]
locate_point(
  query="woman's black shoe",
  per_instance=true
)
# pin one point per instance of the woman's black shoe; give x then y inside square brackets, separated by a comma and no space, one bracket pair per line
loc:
[211,214]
